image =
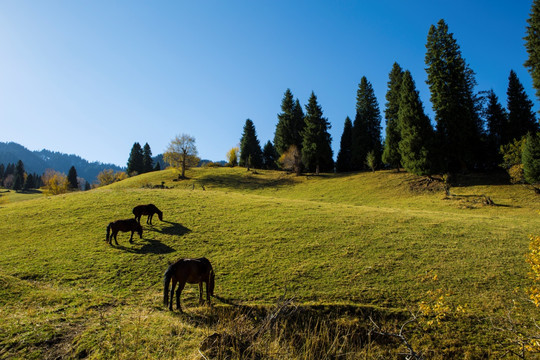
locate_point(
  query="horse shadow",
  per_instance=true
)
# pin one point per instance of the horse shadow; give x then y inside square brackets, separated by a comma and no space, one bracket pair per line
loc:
[150,247]
[173,229]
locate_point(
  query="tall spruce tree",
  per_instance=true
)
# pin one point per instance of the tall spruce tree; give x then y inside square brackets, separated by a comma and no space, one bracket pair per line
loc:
[521,116]
[250,147]
[366,134]
[29,183]
[148,163]
[73,184]
[391,155]
[285,128]
[451,83]
[531,158]
[269,156]
[343,162]
[316,145]
[532,44]
[135,162]
[416,131]
[496,121]
[18,180]
[298,124]
[497,129]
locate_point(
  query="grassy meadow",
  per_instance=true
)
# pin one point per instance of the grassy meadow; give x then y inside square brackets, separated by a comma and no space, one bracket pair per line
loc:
[306,267]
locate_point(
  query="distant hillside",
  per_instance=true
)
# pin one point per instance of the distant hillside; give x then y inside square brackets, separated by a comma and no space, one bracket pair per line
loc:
[39,161]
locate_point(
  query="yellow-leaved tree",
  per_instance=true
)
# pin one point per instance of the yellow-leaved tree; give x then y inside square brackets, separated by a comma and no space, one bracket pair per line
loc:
[55,182]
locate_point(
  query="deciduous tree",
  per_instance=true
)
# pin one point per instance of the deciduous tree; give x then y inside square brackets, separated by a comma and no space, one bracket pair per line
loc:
[232,156]
[291,160]
[181,154]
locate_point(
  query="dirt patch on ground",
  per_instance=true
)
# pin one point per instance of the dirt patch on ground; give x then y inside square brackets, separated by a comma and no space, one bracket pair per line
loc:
[426,184]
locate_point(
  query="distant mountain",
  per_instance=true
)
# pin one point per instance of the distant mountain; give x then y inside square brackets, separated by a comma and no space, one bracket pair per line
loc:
[39,161]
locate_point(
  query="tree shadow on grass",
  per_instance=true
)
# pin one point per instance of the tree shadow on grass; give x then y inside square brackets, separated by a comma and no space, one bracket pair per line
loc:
[246,182]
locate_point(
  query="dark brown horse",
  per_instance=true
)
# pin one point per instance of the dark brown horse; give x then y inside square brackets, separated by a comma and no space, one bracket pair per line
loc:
[149,210]
[192,271]
[123,225]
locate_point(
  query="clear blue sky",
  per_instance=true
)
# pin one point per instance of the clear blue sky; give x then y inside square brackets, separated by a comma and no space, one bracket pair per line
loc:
[93,77]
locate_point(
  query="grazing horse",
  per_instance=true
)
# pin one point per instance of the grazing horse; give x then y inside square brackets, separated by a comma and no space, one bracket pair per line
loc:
[123,225]
[149,210]
[192,271]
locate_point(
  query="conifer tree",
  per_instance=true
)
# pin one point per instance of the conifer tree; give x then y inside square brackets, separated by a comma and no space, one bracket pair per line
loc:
[521,118]
[148,163]
[531,158]
[87,186]
[316,149]
[2,171]
[298,124]
[497,129]
[532,44]
[285,128]
[343,163]
[157,167]
[250,147]
[366,134]
[391,155]
[269,156]
[496,121]
[451,83]
[135,161]
[73,184]
[416,130]
[18,180]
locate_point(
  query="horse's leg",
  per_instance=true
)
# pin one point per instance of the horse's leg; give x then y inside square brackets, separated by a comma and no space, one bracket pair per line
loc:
[201,301]
[131,238]
[149,219]
[115,232]
[173,285]
[208,292]
[181,285]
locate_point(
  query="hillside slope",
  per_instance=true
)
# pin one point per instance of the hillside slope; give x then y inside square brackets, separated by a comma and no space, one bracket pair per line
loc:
[361,240]
[39,161]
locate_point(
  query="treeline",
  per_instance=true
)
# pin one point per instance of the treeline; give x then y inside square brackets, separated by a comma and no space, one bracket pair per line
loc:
[472,131]
[14,177]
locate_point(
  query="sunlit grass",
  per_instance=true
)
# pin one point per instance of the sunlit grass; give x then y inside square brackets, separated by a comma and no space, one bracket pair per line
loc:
[357,240]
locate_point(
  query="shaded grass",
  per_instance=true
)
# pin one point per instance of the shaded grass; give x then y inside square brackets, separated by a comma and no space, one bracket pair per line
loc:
[335,241]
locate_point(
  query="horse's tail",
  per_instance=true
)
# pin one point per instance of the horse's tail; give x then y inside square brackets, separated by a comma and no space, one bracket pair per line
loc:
[166,281]
[108,231]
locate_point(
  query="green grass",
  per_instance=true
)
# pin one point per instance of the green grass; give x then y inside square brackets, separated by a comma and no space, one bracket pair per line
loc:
[351,241]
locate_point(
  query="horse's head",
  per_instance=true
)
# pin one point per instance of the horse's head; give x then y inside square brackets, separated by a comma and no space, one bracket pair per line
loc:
[160,215]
